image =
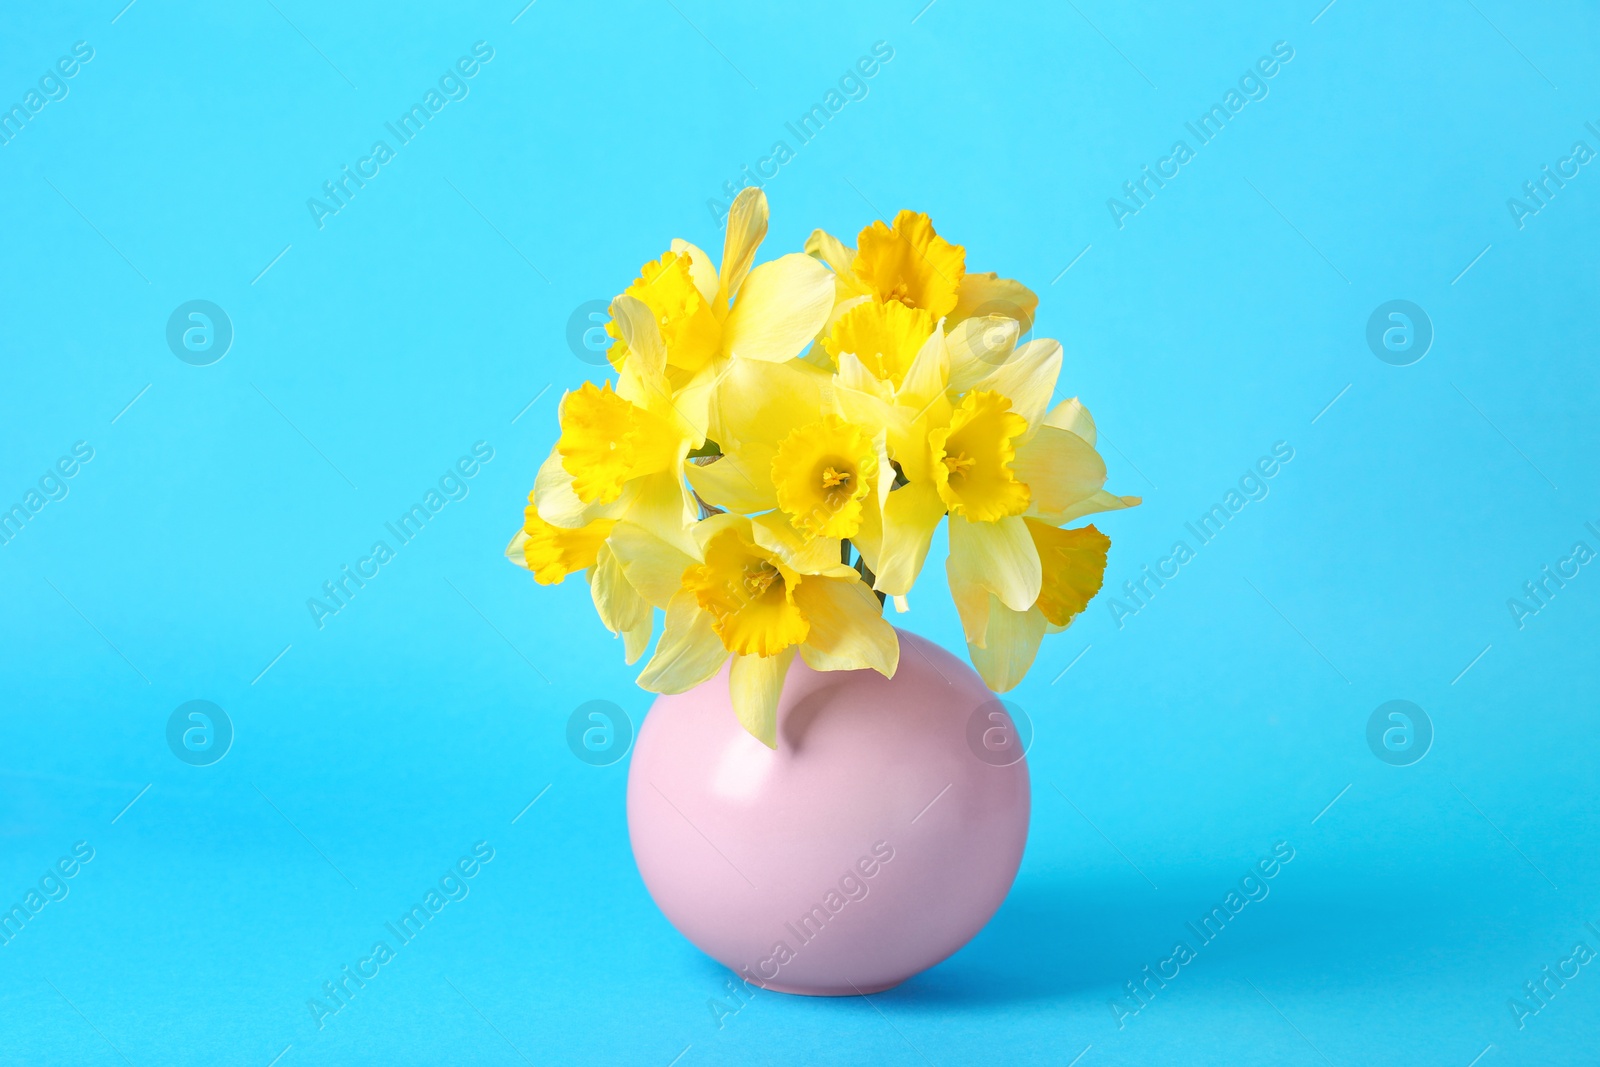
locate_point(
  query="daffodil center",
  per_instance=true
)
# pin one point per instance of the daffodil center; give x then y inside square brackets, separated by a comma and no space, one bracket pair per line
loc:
[749,597]
[974,477]
[758,578]
[822,473]
[958,465]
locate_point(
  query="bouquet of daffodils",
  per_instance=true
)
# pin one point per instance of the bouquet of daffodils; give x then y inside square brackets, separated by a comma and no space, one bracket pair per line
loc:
[782,441]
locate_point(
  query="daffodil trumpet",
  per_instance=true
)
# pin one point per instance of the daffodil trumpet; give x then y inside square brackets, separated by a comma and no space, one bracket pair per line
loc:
[769,421]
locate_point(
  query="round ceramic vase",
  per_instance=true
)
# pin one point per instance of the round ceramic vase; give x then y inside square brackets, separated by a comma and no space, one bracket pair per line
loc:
[876,840]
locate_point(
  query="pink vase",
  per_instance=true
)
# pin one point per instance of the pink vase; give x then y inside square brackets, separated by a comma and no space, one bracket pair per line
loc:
[877,839]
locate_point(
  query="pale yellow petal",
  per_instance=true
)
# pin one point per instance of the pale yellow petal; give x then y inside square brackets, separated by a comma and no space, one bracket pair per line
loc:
[1000,556]
[712,525]
[647,353]
[689,651]
[701,270]
[910,516]
[747,226]
[927,376]
[832,251]
[854,376]
[880,444]
[1101,501]
[816,555]
[558,503]
[618,604]
[514,549]
[990,294]
[635,641]
[1060,469]
[755,684]
[972,600]
[848,630]
[977,346]
[760,402]
[692,401]
[739,481]
[1072,415]
[1028,379]
[869,539]
[869,406]
[848,290]
[1013,642]
[781,308]
[653,566]
[908,431]
[663,505]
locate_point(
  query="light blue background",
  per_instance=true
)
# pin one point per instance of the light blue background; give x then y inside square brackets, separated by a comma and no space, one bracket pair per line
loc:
[424,317]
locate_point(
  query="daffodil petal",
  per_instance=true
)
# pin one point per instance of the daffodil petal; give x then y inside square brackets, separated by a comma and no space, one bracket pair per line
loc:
[689,651]
[908,431]
[977,346]
[618,604]
[990,294]
[1074,564]
[514,549]
[848,630]
[856,378]
[646,351]
[1028,379]
[928,374]
[747,226]
[1072,415]
[910,516]
[755,684]
[636,640]
[1060,469]
[701,269]
[781,308]
[1012,643]
[832,251]
[662,503]
[712,525]
[760,403]
[1000,556]
[739,481]
[653,566]
[805,555]
[1101,501]
[558,503]
[972,600]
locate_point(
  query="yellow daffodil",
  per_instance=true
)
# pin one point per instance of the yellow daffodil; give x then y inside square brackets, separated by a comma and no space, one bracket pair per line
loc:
[620,458]
[910,264]
[708,317]
[786,448]
[990,460]
[1072,567]
[1004,608]
[551,552]
[821,476]
[972,457]
[763,419]
[757,593]
[885,337]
